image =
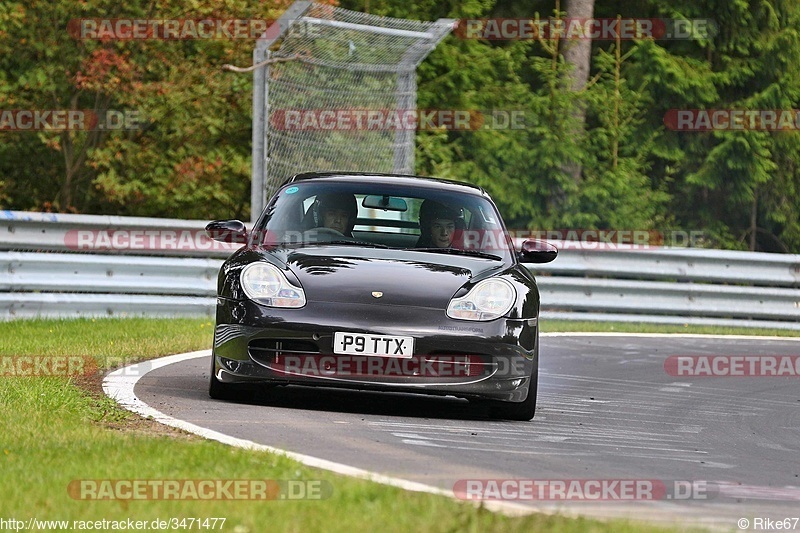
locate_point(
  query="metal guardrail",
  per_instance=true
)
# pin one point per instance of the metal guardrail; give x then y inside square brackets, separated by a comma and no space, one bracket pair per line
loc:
[671,285]
[74,305]
[676,299]
[22,230]
[56,272]
[50,266]
[683,286]
[677,264]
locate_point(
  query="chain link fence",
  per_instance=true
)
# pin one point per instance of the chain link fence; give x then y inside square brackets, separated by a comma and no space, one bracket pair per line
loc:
[344,63]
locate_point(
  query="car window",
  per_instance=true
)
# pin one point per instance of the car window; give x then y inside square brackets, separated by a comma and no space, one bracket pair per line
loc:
[394,216]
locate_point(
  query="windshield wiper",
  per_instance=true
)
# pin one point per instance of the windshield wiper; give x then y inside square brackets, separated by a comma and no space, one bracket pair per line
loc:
[458,251]
[303,244]
[365,244]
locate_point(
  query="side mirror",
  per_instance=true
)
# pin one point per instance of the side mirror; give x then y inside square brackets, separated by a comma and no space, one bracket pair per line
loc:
[232,231]
[537,252]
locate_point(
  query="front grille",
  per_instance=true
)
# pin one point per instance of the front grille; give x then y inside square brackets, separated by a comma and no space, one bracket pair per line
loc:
[271,350]
[470,365]
[303,357]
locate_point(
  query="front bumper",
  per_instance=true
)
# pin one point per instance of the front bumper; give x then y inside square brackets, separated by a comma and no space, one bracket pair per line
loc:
[491,360]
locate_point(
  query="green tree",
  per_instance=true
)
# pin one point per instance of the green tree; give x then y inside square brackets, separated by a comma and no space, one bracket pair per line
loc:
[736,185]
[189,158]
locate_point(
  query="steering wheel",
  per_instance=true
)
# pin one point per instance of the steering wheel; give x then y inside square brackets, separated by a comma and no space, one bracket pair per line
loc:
[316,233]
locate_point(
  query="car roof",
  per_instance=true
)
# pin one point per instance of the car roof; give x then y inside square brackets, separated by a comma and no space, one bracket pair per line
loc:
[394,179]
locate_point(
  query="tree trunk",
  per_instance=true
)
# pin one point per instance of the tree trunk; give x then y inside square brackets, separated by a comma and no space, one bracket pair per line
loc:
[578,53]
[75,155]
[754,220]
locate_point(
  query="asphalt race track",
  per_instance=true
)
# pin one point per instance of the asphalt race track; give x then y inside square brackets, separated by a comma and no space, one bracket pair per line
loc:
[608,411]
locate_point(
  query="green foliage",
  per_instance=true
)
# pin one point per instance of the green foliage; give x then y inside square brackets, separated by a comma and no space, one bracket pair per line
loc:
[190,155]
[617,191]
[191,158]
[520,168]
[717,178]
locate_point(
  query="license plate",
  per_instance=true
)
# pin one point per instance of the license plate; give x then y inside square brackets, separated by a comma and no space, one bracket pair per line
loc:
[364,344]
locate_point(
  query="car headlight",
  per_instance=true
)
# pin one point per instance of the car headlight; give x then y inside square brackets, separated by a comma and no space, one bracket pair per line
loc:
[489,299]
[267,285]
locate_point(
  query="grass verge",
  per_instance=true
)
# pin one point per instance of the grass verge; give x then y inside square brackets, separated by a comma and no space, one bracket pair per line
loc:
[55,430]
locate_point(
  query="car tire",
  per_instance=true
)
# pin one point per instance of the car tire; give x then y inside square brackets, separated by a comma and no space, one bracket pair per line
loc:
[526,409]
[226,391]
[521,411]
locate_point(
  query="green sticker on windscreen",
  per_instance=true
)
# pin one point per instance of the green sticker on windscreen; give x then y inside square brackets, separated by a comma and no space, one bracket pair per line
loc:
[292,190]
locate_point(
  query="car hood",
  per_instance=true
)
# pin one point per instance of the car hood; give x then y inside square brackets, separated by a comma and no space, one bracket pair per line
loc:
[349,275]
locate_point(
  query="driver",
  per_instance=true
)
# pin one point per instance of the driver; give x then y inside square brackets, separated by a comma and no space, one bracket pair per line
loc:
[337,211]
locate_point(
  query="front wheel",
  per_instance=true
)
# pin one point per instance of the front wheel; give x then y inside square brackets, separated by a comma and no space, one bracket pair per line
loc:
[521,411]
[526,409]
[226,391]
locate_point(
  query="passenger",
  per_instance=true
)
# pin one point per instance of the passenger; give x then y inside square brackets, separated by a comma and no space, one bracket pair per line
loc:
[439,225]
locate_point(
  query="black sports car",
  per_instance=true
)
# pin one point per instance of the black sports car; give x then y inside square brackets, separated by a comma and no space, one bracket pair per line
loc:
[381,282]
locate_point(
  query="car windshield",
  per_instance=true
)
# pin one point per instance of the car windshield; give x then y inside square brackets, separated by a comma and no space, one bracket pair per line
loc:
[384,215]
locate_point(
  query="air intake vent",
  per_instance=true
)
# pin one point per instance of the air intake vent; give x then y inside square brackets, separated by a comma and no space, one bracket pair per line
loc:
[270,350]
